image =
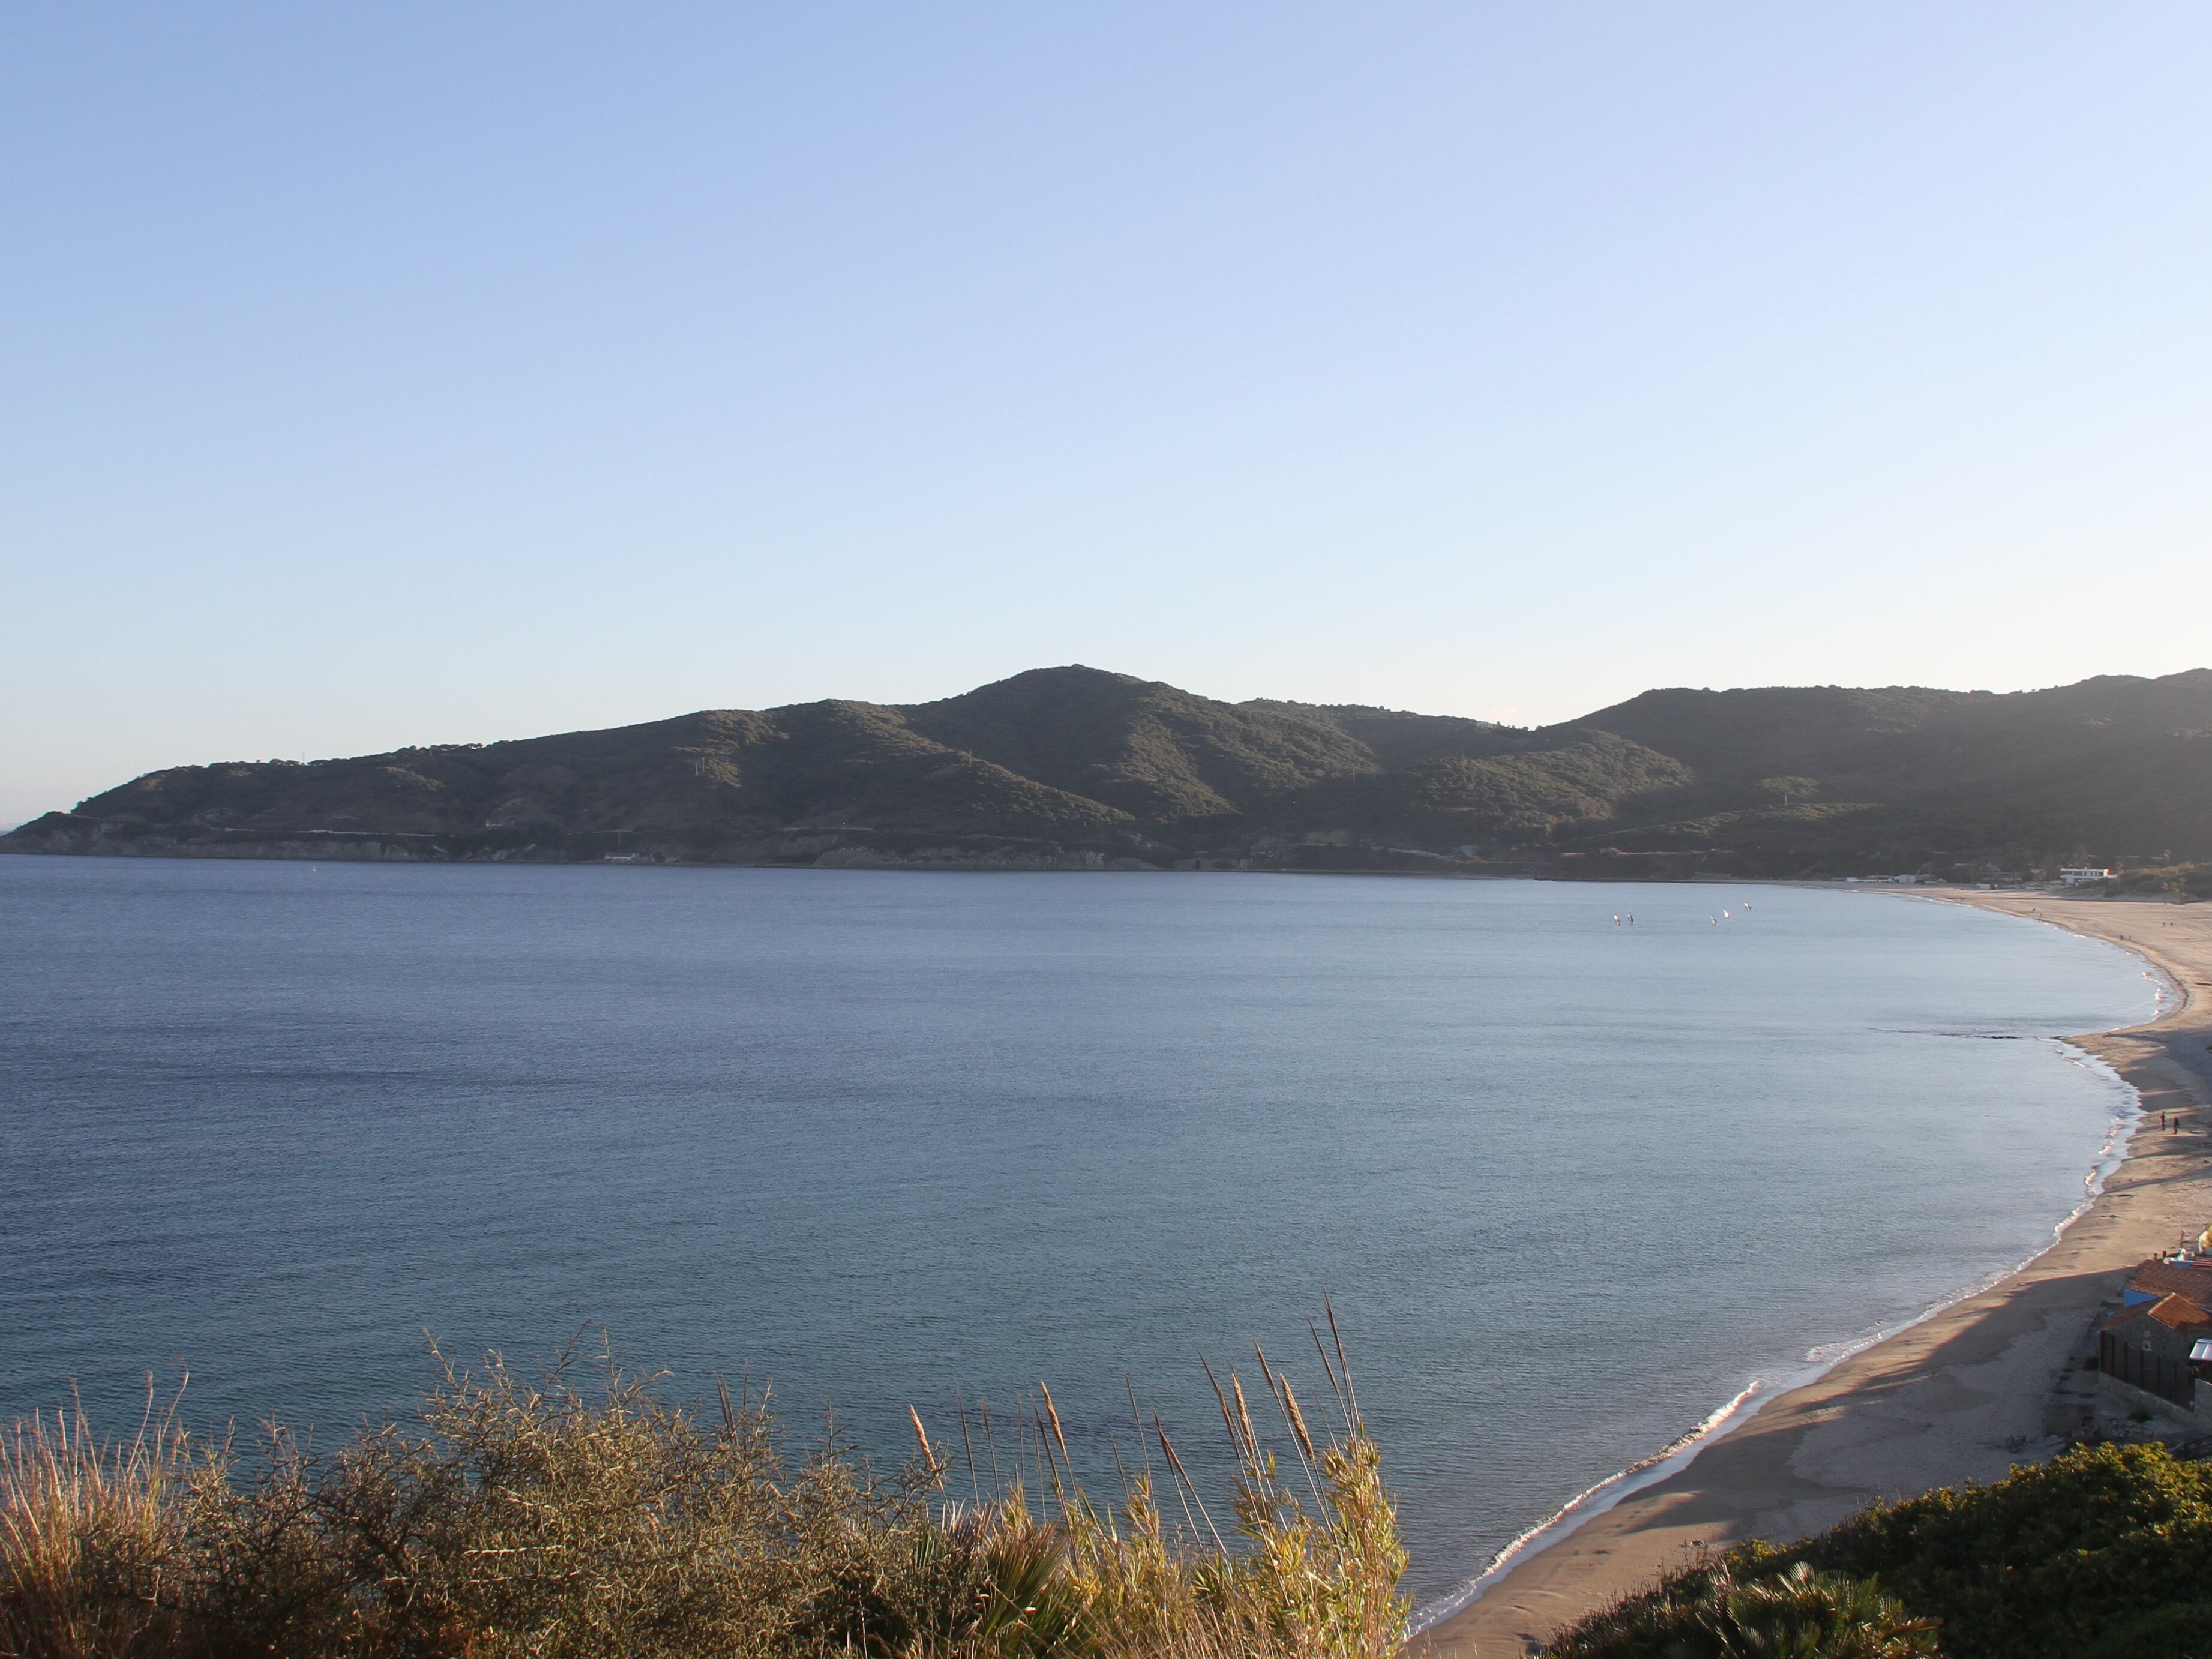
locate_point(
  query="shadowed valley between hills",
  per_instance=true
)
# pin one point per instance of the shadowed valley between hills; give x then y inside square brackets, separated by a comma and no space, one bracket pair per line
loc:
[1075,768]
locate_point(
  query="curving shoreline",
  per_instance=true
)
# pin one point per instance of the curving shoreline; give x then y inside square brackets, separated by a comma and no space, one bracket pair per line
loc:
[1961,1395]
[1677,1455]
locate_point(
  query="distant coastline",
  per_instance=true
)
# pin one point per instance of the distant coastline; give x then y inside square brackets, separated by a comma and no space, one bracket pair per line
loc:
[68,835]
[1075,768]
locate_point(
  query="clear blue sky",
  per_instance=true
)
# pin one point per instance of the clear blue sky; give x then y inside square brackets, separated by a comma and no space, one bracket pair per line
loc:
[387,374]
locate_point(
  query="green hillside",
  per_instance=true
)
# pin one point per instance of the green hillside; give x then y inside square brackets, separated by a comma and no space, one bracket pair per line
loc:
[2112,769]
[1078,768]
[1147,749]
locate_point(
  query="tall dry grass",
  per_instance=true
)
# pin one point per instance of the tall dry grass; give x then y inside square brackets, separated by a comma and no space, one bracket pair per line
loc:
[508,1517]
[89,1539]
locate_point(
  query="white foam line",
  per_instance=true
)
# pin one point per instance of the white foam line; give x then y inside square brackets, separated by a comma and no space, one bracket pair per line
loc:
[1589,1504]
[1678,1453]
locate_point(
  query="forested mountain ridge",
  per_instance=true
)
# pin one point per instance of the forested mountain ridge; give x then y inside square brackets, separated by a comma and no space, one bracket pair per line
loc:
[1078,767]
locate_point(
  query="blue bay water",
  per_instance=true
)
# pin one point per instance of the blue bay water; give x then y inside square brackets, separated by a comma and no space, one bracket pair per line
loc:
[880,1136]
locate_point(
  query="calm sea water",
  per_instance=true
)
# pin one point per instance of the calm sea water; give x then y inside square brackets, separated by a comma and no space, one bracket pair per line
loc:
[881,1136]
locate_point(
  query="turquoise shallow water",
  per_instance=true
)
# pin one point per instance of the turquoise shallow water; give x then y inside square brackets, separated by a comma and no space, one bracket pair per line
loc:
[878,1136]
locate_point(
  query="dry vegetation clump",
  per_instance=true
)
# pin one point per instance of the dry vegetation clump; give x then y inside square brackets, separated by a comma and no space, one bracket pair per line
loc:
[510,1518]
[89,1541]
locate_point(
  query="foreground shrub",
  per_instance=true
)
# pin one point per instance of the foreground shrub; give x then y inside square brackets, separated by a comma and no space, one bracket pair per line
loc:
[88,1537]
[2105,1552]
[509,1519]
[2104,1549]
[1723,1611]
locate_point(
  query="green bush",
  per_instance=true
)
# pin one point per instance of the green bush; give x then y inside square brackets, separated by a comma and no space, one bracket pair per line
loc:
[1732,1609]
[2105,1552]
[2104,1549]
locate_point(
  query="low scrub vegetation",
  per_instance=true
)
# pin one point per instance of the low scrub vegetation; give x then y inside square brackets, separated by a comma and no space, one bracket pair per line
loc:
[512,1517]
[2185,881]
[1730,1608]
[2099,1554]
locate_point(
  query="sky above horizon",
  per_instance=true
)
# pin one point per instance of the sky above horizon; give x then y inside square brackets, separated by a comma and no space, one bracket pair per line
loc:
[409,374]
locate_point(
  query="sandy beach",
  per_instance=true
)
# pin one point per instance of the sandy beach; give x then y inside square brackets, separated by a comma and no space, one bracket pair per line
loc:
[1964,1396]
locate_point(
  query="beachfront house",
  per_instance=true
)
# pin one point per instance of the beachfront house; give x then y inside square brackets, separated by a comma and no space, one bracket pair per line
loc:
[2152,1353]
[2079,875]
[2145,1356]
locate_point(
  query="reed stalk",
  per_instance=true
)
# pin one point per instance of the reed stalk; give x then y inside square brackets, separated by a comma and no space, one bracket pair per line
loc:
[548,1518]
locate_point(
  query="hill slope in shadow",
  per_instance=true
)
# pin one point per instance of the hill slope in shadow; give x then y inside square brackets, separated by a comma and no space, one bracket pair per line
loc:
[1078,768]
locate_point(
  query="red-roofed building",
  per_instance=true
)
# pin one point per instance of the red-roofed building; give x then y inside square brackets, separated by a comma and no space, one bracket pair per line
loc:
[2160,1277]
[2148,1348]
